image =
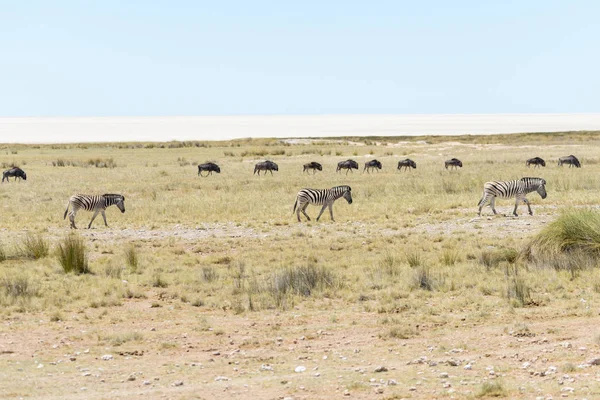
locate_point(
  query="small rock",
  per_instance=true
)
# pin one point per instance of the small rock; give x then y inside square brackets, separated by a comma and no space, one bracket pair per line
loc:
[595,361]
[468,367]
[177,383]
[346,392]
[221,378]
[131,377]
[107,357]
[443,375]
[86,374]
[380,368]
[146,383]
[412,388]
[392,382]
[379,390]
[300,368]
[266,367]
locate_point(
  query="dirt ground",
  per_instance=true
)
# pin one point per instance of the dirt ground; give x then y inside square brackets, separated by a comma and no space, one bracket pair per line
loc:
[318,350]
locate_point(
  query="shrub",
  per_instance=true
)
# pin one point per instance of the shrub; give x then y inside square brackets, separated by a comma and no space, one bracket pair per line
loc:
[72,255]
[18,286]
[34,246]
[301,280]
[2,253]
[570,242]
[492,389]
[131,257]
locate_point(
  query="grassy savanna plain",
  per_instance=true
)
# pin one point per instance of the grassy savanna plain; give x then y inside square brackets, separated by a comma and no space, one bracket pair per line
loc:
[209,287]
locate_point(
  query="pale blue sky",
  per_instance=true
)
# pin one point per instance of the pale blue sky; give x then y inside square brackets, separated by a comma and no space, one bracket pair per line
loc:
[152,58]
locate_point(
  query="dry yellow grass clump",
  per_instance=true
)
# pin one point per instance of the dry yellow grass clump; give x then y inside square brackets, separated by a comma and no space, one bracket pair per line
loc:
[210,283]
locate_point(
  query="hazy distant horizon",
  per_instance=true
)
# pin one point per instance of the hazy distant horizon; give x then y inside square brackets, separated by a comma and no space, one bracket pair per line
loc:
[31,130]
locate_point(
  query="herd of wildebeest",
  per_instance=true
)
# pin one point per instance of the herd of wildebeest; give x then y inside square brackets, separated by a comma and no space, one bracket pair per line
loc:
[376,165]
[348,165]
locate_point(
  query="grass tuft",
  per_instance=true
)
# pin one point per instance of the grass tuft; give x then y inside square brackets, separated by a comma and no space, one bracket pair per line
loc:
[492,389]
[34,246]
[131,258]
[72,255]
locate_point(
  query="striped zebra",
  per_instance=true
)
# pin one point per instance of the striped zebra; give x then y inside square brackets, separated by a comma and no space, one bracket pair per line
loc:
[507,189]
[326,197]
[96,203]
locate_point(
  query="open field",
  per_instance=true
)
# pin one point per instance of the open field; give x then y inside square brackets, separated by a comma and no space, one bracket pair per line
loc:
[208,287]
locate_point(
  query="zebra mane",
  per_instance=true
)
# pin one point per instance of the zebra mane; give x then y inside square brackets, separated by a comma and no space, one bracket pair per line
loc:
[343,187]
[113,195]
[530,180]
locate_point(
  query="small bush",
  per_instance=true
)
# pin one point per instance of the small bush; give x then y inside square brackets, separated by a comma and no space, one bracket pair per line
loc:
[34,246]
[571,242]
[2,253]
[72,255]
[301,280]
[209,274]
[18,286]
[450,257]
[131,257]
[390,265]
[492,389]
[519,292]
[159,282]
[414,259]
[423,278]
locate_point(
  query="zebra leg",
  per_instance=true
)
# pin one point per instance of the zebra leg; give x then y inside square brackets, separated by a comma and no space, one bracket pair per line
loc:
[528,206]
[322,209]
[482,203]
[303,209]
[493,205]
[331,211]
[517,201]
[104,217]
[93,218]
[72,218]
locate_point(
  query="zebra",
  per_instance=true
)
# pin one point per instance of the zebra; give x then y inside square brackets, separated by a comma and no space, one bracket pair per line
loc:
[372,164]
[210,167]
[265,166]
[348,165]
[14,171]
[453,162]
[571,160]
[96,203]
[407,163]
[536,162]
[507,189]
[312,165]
[326,197]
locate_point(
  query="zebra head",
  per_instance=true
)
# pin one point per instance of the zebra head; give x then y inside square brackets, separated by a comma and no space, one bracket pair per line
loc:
[116,199]
[536,184]
[347,193]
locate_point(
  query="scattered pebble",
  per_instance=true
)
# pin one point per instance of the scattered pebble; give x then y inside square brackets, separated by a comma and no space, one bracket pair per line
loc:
[177,383]
[300,368]
[107,357]
[380,368]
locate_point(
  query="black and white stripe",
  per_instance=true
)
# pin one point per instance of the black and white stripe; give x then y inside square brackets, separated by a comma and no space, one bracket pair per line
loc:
[96,203]
[325,197]
[508,189]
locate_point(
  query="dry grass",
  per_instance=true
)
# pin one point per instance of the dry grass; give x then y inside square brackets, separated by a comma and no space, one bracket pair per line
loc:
[409,251]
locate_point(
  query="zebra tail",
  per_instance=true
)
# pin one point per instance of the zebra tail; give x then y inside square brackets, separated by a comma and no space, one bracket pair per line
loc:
[67,210]
[295,204]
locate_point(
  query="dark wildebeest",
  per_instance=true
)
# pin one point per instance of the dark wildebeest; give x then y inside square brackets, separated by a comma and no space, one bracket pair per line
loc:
[265,166]
[210,167]
[571,160]
[314,166]
[453,162]
[347,165]
[536,162]
[408,164]
[16,172]
[372,164]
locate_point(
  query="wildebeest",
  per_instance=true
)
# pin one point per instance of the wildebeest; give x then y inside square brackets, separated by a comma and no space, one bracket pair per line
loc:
[372,164]
[453,162]
[210,167]
[536,162]
[347,165]
[571,160]
[265,166]
[407,163]
[314,166]
[16,172]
